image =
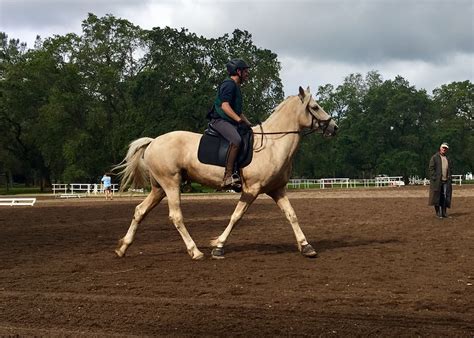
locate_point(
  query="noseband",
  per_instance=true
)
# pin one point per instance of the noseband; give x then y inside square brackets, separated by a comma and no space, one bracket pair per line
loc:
[321,124]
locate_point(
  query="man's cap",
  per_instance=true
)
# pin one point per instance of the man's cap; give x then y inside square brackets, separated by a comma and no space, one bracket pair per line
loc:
[445,145]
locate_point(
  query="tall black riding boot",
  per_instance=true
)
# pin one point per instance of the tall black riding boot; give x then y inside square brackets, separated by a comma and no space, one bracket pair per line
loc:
[231,178]
[438,211]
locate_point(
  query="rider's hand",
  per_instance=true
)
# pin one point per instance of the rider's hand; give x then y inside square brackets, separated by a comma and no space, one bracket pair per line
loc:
[244,122]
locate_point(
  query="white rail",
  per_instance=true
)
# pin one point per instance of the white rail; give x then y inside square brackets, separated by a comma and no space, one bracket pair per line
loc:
[379,181]
[60,188]
[383,181]
[458,179]
[17,201]
[298,183]
[330,182]
[77,189]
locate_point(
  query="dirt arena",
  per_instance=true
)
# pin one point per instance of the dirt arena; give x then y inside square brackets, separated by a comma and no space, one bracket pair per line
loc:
[386,267]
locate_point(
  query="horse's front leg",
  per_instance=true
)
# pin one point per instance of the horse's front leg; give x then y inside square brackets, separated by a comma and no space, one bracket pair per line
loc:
[141,210]
[176,216]
[218,243]
[281,199]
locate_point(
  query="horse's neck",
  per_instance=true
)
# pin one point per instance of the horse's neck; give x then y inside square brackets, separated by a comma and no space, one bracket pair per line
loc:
[284,119]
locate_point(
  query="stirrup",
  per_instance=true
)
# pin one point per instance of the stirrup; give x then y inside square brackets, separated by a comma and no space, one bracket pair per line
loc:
[233,182]
[235,178]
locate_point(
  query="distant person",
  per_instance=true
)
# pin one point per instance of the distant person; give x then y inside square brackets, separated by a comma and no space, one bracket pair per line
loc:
[441,189]
[107,183]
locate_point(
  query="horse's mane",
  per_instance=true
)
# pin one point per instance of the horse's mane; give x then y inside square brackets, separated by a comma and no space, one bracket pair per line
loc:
[280,107]
[283,103]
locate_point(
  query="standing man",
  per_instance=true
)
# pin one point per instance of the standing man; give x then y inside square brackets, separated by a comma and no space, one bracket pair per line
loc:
[226,115]
[440,170]
[107,182]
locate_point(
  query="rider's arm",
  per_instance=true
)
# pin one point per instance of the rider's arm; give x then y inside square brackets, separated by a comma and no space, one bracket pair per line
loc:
[230,112]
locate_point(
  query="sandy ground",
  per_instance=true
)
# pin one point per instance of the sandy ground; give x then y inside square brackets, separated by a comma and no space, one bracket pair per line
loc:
[386,267]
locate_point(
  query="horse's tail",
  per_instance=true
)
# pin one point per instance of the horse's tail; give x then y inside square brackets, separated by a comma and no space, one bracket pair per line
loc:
[133,170]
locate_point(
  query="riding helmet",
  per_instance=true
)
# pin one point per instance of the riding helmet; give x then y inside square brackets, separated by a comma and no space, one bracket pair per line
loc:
[235,64]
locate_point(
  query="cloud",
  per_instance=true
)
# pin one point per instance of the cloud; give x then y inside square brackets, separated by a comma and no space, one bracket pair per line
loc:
[428,42]
[422,74]
[359,31]
[39,14]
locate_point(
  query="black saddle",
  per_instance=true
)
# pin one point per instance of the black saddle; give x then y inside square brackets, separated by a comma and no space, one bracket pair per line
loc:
[213,147]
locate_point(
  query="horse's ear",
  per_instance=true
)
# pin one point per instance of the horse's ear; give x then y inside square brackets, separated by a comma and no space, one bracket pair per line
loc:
[308,90]
[302,94]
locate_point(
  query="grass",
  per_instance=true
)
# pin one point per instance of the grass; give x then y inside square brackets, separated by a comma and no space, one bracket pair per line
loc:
[22,190]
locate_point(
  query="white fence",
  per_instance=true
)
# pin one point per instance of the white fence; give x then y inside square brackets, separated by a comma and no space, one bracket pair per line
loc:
[457,179]
[79,189]
[324,183]
[84,189]
[17,201]
[330,182]
[415,180]
[380,181]
[298,183]
[385,181]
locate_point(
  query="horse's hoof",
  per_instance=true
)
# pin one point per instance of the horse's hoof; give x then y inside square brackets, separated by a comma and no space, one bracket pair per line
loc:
[198,257]
[308,251]
[119,253]
[218,253]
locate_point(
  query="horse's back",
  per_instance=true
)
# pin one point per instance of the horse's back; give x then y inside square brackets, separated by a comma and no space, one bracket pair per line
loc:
[173,147]
[177,136]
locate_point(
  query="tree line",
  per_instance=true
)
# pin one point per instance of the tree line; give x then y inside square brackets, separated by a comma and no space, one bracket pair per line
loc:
[70,105]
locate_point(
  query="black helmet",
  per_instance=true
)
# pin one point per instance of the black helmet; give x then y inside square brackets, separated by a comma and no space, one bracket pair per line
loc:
[235,64]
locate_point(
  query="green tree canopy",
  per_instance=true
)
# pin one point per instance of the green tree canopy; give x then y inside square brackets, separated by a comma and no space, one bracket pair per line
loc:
[70,106]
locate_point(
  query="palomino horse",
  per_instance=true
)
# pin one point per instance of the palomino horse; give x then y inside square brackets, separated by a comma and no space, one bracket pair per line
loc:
[168,159]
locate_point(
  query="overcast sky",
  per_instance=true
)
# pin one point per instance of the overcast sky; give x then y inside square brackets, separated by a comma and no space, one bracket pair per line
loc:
[427,42]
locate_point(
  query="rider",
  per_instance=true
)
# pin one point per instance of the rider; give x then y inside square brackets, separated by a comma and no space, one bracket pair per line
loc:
[226,115]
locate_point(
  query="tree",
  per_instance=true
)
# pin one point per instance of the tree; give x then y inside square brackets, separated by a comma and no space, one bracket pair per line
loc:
[70,106]
[385,127]
[25,79]
[454,123]
[185,70]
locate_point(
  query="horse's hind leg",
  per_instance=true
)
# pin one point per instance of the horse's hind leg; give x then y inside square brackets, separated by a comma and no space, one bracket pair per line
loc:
[141,210]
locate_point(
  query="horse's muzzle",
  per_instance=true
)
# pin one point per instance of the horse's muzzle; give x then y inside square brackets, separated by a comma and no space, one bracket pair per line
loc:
[331,129]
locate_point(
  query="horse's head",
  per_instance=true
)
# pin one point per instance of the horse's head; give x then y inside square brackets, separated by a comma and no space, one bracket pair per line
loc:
[313,116]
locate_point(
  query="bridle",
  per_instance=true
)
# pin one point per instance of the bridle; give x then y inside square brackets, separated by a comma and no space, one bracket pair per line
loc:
[321,124]
[316,124]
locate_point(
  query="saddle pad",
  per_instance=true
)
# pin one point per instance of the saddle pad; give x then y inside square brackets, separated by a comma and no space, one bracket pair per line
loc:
[213,150]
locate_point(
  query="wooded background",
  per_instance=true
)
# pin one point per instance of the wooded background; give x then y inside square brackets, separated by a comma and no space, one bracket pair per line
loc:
[70,105]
